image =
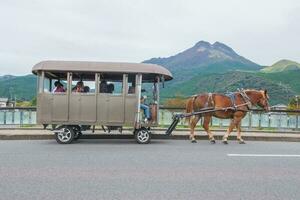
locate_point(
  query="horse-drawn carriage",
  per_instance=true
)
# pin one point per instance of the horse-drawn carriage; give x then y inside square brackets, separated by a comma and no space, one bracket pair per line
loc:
[75,95]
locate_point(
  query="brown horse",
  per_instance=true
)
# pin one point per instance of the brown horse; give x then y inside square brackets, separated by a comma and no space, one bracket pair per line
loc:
[234,107]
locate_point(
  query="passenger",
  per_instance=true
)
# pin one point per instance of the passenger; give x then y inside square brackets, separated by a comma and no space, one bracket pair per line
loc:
[58,87]
[145,108]
[110,88]
[79,87]
[131,90]
[86,89]
[103,87]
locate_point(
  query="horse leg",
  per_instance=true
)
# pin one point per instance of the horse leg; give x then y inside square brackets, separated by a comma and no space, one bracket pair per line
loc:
[229,130]
[239,135]
[206,122]
[193,123]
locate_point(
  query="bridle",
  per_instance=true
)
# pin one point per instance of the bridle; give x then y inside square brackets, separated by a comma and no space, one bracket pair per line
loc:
[247,99]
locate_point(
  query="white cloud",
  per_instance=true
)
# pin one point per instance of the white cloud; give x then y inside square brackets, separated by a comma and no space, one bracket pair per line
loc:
[135,30]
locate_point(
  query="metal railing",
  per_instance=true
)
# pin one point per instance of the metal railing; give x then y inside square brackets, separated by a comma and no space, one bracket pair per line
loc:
[17,116]
[255,119]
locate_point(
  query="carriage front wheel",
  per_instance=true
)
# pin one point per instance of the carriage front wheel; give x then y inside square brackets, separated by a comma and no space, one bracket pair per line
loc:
[142,136]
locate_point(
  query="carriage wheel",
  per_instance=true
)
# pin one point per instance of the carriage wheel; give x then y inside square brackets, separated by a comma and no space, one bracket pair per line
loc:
[64,134]
[142,136]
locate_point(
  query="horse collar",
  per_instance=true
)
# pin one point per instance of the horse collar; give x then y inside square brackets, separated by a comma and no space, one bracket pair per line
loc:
[246,98]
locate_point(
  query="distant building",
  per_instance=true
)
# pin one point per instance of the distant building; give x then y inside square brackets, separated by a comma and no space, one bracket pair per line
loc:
[4,102]
[279,107]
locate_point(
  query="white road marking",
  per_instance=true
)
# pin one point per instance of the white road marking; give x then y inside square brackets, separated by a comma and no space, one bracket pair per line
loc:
[263,155]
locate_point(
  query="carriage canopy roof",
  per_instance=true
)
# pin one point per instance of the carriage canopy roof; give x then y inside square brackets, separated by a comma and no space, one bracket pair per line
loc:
[150,70]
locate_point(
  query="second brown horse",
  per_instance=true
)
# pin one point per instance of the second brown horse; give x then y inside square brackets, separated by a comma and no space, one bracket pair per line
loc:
[234,106]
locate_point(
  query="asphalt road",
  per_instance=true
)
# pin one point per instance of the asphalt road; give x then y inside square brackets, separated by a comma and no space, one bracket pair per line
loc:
[165,169]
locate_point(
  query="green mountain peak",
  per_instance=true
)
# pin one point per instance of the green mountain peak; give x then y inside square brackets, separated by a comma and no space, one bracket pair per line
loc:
[282,65]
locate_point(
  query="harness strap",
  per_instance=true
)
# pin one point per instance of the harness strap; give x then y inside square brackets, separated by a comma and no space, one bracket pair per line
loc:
[231,95]
[210,101]
[194,99]
[246,99]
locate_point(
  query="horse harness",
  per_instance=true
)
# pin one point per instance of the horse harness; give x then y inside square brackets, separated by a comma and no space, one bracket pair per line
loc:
[246,99]
[210,104]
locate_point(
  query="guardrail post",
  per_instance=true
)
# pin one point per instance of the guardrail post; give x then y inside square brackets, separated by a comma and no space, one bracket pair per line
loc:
[21,118]
[259,121]
[29,120]
[279,122]
[162,117]
[269,120]
[4,117]
[250,120]
[13,117]
[297,121]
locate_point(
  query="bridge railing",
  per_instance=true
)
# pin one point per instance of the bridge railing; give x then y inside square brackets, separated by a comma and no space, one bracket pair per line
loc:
[276,120]
[17,116]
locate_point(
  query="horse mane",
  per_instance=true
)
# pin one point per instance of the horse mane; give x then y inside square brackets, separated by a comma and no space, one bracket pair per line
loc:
[263,92]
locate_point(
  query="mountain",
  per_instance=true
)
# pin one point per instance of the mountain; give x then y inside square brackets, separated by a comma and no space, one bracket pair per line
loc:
[206,57]
[19,87]
[216,67]
[282,65]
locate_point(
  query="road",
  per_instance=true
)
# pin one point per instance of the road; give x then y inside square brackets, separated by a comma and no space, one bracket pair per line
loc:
[164,169]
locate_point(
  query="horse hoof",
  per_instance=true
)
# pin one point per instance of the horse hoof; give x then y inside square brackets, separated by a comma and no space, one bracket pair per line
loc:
[242,142]
[194,141]
[225,142]
[213,141]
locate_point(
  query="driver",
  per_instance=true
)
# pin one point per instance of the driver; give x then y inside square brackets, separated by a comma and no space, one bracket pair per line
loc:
[145,108]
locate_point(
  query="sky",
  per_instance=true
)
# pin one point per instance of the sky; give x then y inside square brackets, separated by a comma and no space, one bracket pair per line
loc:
[263,31]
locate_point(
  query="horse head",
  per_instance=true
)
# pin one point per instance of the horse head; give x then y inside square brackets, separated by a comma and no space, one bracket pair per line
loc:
[264,101]
[260,98]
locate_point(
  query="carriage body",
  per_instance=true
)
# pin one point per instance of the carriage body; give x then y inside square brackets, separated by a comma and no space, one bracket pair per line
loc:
[95,107]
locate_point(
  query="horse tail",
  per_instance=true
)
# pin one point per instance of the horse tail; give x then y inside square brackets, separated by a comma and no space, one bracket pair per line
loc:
[189,108]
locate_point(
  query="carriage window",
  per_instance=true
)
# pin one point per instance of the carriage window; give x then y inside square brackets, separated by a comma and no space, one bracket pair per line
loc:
[83,83]
[111,84]
[59,85]
[131,84]
[52,82]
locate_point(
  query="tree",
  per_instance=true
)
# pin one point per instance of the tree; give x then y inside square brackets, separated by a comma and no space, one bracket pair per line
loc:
[294,103]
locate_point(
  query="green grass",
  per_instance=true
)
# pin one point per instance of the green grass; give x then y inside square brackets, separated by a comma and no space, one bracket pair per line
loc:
[289,79]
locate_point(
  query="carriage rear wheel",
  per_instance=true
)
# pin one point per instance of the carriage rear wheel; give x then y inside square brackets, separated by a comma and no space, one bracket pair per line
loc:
[142,136]
[64,134]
